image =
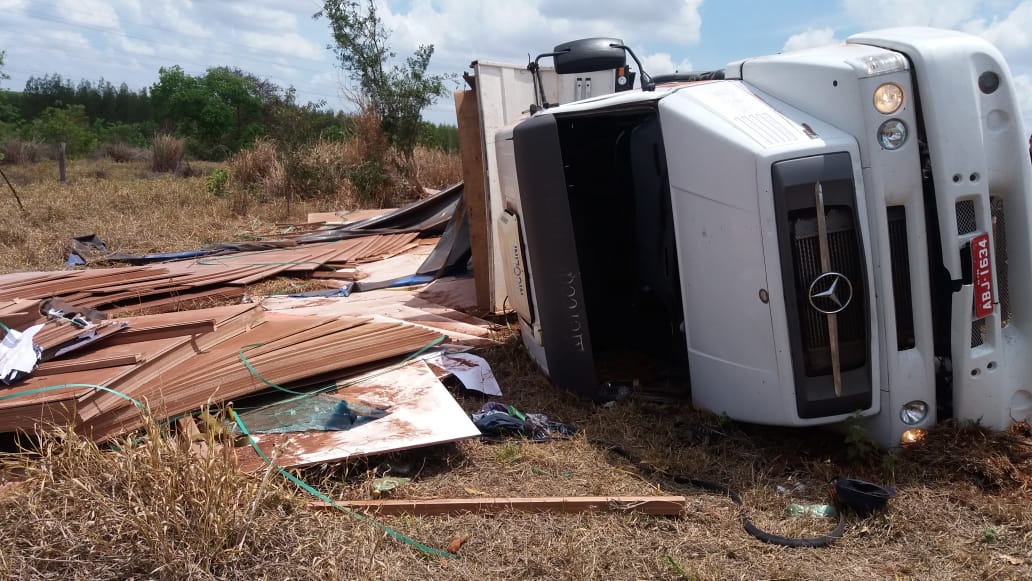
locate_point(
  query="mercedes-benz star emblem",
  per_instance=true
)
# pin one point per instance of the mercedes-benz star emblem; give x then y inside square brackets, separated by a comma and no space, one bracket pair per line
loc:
[830,293]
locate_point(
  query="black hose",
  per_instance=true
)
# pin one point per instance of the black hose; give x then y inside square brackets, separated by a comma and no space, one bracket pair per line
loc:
[811,542]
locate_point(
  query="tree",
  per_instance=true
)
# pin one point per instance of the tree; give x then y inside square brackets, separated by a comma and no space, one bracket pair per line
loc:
[218,113]
[3,76]
[396,93]
[69,125]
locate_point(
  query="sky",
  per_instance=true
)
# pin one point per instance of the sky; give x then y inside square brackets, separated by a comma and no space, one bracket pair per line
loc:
[129,40]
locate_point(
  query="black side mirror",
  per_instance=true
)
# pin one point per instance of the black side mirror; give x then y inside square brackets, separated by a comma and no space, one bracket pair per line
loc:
[589,55]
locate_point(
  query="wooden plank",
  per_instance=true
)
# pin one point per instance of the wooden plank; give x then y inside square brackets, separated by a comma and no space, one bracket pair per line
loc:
[81,280]
[214,375]
[392,304]
[172,303]
[655,505]
[322,218]
[169,354]
[221,376]
[20,314]
[342,274]
[474,192]
[457,293]
[132,335]
[76,365]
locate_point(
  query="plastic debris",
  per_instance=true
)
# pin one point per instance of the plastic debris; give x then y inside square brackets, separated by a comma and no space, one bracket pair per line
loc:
[381,486]
[817,510]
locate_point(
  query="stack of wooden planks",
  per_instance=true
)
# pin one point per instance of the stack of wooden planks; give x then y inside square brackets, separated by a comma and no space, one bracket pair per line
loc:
[107,373]
[168,286]
[175,363]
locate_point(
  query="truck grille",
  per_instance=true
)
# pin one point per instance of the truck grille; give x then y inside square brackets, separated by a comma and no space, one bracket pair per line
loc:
[1000,240]
[966,221]
[977,333]
[900,257]
[845,259]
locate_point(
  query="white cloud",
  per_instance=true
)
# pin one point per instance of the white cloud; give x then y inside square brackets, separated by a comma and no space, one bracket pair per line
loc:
[252,16]
[9,6]
[177,16]
[88,12]
[886,13]
[1011,34]
[136,47]
[1023,85]
[811,38]
[661,63]
[287,45]
[465,30]
[65,41]
[676,21]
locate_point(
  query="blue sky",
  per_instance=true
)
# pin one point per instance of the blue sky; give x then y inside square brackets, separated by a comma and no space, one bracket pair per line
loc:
[128,40]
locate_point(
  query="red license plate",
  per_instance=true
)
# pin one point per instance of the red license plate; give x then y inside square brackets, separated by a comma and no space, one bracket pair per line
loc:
[982,266]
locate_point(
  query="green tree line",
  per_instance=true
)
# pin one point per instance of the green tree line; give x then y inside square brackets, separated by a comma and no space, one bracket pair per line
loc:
[218,113]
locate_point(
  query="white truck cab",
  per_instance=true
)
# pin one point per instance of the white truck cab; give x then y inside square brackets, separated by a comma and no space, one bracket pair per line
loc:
[803,238]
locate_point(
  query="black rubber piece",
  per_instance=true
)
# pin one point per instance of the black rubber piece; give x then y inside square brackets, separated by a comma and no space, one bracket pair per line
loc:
[747,524]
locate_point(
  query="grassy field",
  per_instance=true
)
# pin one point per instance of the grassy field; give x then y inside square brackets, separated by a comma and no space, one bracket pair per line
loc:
[151,509]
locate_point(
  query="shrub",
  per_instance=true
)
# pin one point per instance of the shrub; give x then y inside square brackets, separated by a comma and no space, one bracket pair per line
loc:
[215,183]
[438,169]
[258,169]
[17,151]
[186,170]
[69,125]
[167,152]
[122,152]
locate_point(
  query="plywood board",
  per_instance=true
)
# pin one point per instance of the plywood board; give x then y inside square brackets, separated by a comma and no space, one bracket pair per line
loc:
[471,148]
[422,413]
[392,304]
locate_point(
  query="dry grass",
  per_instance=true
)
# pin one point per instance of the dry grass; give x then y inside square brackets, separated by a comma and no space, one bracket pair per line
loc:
[84,513]
[149,510]
[129,207]
[124,153]
[436,168]
[167,153]
[17,151]
[153,509]
[258,171]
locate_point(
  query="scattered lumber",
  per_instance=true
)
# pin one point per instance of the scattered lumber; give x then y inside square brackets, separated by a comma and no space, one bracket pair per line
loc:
[107,373]
[173,284]
[655,505]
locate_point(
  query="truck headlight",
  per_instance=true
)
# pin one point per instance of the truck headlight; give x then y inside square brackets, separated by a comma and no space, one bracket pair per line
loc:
[892,134]
[913,412]
[888,98]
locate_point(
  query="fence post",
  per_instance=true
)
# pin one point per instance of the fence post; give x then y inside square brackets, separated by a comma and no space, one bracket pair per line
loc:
[61,162]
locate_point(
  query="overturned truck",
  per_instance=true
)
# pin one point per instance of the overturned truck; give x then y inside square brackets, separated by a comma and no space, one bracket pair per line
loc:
[801,238]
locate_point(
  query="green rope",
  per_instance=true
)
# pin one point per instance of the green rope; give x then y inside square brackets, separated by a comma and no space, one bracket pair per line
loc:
[5,328]
[255,373]
[323,497]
